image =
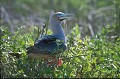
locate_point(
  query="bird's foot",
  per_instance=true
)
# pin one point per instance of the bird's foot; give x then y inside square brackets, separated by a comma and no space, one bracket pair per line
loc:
[57,62]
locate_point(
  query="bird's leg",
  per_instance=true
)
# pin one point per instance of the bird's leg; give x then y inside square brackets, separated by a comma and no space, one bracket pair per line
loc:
[56,62]
[51,62]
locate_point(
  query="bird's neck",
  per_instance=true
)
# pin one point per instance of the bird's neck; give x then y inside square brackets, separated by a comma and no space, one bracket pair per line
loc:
[57,31]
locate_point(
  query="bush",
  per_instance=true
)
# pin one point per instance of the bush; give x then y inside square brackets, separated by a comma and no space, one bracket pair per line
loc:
[88,58]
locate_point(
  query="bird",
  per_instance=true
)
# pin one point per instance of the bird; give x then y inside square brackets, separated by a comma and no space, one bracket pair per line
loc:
[50,45]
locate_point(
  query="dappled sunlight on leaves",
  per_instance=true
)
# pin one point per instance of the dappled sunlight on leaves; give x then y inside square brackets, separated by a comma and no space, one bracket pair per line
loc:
[83,58]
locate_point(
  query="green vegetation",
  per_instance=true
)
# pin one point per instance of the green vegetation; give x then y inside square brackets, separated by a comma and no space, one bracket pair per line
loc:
[95,56]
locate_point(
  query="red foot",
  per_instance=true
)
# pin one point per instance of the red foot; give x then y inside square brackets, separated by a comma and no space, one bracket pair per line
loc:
[59,62]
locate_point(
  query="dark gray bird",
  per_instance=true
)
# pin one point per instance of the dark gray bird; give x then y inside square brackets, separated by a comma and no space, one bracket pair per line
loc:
[50,45]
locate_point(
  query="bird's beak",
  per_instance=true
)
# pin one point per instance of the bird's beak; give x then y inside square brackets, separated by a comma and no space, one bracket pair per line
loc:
[65,16]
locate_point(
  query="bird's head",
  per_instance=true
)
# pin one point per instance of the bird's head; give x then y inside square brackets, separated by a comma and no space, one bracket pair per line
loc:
[59,16]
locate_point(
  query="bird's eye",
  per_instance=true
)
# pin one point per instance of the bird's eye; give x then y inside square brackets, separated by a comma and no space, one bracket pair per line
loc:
[59,14]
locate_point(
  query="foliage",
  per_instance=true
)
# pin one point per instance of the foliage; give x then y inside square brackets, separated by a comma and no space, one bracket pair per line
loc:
[97,57]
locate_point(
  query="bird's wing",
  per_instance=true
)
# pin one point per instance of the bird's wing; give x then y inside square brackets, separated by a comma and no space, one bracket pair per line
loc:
[47,45]
[47,38]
